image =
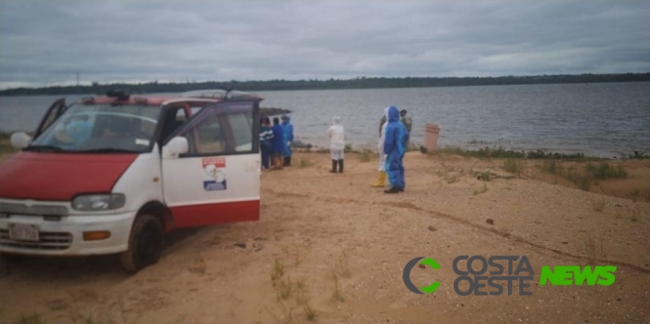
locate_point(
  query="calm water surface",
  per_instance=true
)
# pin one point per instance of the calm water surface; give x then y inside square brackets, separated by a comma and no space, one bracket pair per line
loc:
[605,119]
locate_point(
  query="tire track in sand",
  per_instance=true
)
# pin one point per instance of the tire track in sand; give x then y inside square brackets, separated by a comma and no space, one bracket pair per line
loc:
[481,229]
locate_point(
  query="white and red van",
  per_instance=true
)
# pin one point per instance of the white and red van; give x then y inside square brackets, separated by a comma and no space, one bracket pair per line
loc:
[114,174]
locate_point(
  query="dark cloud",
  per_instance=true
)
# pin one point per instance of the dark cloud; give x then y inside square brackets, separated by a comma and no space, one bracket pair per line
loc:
[47,42]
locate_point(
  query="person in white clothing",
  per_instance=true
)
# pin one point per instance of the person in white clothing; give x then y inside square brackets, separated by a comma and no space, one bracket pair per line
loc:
[381,180]
[337,144]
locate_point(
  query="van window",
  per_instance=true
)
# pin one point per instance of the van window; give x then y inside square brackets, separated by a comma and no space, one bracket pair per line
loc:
[241,128]
[221,133]
[101,129]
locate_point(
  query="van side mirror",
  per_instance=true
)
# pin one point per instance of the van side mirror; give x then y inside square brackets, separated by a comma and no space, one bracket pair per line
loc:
[20,140]
[177,145]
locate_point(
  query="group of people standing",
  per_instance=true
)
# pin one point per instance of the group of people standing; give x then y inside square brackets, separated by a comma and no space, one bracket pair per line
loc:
[275,142]
[394,134]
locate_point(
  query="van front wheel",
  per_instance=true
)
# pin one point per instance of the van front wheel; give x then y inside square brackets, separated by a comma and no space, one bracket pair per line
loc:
[145,244]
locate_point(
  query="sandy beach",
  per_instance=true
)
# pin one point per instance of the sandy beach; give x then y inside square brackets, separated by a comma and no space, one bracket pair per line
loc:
[330,249]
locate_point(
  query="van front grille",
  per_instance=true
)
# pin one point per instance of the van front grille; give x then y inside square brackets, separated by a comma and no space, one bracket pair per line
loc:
[47,241]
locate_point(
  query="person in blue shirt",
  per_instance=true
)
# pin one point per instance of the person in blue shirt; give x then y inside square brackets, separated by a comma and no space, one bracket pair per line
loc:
[395,147]
[288,137]
[278,144]
[266,136]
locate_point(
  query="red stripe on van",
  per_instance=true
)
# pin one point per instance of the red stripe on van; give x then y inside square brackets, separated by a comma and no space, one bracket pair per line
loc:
[219,213]
[60,176]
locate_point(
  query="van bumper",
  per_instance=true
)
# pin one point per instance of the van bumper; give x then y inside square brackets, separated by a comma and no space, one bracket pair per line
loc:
[66,236]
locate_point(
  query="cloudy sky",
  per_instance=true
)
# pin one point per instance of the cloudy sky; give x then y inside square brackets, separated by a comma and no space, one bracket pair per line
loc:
[48,42]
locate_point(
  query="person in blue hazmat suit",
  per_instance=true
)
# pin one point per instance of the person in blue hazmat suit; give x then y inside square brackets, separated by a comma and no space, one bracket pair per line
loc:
[288,137]
[395,147]
[278,144]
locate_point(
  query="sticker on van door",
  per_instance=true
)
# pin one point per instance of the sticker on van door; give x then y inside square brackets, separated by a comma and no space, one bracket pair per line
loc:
[215,175]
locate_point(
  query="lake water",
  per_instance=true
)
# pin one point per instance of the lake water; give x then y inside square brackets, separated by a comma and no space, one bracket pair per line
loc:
[603,119]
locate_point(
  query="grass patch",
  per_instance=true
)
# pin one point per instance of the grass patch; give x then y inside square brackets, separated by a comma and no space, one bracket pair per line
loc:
[581,181]
[482,190]
[310,313]
[341,268]
[304,163]
[500,152]
[285,288]
[513,166]
[277,271]
[552,167]
[605,171]
[302,287]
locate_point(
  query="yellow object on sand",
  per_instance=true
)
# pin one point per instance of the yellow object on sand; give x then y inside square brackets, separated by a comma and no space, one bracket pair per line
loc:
[381,180]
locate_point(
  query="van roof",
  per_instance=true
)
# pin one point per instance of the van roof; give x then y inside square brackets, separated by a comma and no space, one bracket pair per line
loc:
[157,100]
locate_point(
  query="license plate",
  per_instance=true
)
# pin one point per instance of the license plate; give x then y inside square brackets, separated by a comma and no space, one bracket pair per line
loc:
[21,232]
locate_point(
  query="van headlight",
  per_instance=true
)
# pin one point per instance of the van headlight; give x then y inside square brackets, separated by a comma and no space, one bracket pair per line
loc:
[98,202]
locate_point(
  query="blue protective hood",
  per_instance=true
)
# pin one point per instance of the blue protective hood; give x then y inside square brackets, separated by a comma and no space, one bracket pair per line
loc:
[286,120]
[393,114]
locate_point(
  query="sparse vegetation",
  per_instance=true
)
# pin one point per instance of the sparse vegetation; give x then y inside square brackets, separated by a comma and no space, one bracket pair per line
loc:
[277,271]
[605,171]
[581,181]
[552,166]
[285,288]
[482,190]
[304,163]
[513,166]
[341,267]
[500,152]
[310,313]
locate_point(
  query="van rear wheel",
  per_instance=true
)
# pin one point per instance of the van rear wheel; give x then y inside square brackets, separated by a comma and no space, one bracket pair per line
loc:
[145,244]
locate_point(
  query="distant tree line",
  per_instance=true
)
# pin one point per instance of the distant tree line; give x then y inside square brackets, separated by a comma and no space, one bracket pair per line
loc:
[356,83]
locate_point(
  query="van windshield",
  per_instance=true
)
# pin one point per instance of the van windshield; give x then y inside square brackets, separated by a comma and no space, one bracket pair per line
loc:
[100,129]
